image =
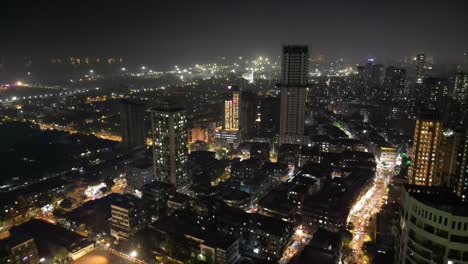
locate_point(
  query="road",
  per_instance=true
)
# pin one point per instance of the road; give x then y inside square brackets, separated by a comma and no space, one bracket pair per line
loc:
[363,210]
[101,134]
[298,241]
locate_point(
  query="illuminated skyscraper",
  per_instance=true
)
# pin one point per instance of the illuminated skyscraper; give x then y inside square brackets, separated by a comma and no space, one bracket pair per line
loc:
[170,144]
[294,82]
[420,67]
[132,125]
[427,161]
[231,109]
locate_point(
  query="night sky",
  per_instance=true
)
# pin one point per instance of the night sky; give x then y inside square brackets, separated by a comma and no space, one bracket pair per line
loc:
[168,32]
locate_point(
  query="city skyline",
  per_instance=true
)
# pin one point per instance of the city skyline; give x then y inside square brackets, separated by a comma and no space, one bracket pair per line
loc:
[245,132]
[165,34]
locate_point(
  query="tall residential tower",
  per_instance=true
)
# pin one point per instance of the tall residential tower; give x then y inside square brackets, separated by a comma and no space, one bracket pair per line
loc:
[426,169]
[231,109]
[420,67]
[293,85]
[132,125]
[170,144]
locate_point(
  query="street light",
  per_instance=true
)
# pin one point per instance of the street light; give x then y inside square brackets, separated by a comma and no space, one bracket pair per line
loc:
[133,254]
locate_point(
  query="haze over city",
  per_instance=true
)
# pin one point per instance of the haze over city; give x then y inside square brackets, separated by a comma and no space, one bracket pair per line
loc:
[166,33]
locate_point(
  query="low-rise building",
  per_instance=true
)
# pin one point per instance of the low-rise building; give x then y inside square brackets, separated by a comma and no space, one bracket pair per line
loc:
[17,249]
[52,240]
[128,216]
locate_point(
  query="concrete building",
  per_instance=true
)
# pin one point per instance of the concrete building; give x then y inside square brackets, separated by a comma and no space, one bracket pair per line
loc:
[132,125]
[420,67]
[53,241]
[156,195]
[433,93]
[433,227]
[394,83]
[455,166]
[128,216]
[461,88]
[170,144]
[232,109]
[293,85]
[426,168]
[388,155]
[138,174]
[17,249]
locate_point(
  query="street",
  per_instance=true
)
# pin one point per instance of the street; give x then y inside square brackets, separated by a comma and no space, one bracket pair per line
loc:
[298,241]
[363,210]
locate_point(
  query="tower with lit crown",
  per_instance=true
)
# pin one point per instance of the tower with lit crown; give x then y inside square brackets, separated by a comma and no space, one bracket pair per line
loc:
[231,109]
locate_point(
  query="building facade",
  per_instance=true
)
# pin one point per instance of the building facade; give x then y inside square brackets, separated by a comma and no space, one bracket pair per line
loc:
[132,125]
[394,83]
[170,145]
[426,168]
[128,216]
[461,88]
[433,227]
[18,249]
[293,85]
[138,174]
[420,67]
[459,164]
[232,109]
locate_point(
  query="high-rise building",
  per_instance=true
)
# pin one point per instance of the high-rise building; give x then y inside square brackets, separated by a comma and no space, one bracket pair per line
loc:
[294,82]
[433,227]
[268,114]
[452,141]
[170,144]
[460,93]
[420,67]
[248,112]
[394,83]
[377,74]
[426,168]
[459,162]
[132,125]
[433,94]
[232,109]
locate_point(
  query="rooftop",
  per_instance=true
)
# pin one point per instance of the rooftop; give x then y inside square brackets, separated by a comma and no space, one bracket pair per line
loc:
[439,198]
[295,49]
[45,233]
[12,241]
